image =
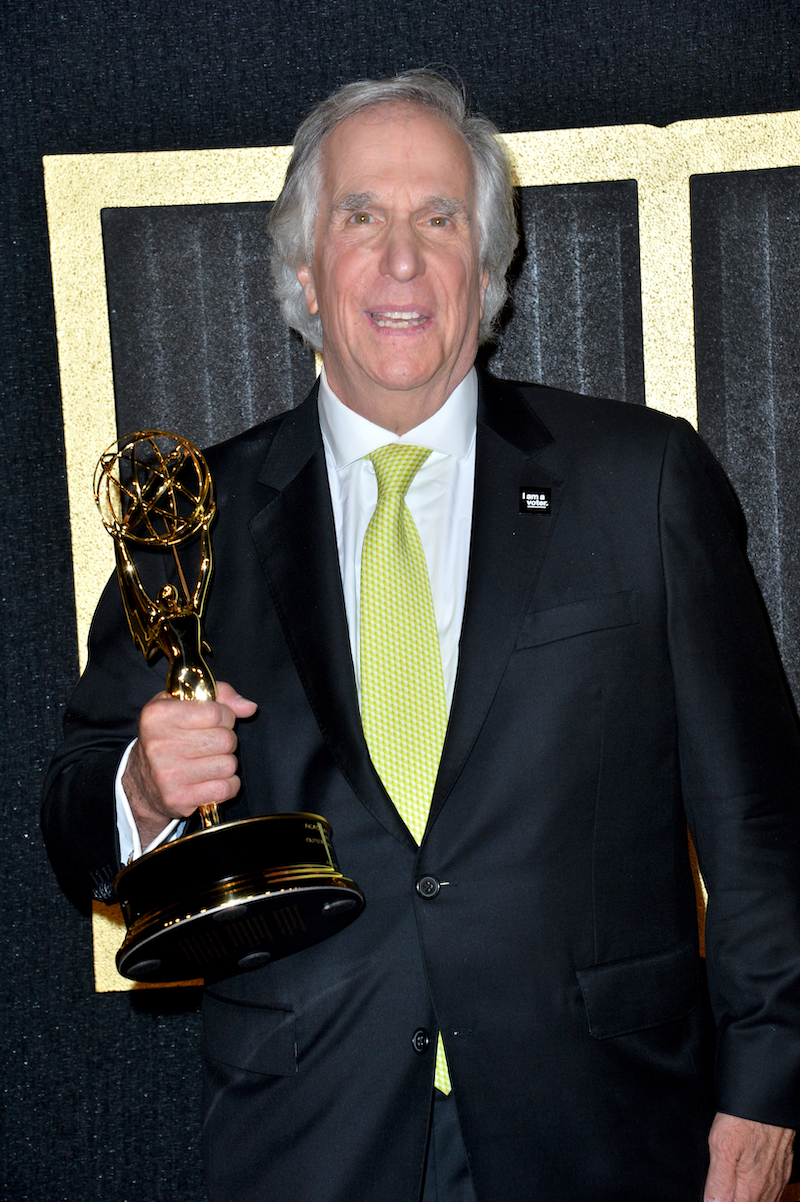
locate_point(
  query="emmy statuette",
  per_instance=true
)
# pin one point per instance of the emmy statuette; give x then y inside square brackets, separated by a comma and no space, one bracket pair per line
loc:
[232,896]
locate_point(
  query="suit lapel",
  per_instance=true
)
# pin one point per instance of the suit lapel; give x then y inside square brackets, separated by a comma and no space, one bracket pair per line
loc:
[505,558]
[296,542]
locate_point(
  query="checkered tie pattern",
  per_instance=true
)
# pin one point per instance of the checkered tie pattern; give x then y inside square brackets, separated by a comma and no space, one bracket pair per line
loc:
[403,706]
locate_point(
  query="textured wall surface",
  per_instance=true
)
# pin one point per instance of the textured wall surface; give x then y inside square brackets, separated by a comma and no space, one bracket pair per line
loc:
[746,253]
[575,319]
[195,330]
[100,1092]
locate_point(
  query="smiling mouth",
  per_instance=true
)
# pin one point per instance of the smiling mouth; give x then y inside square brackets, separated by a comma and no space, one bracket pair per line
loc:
[398,319]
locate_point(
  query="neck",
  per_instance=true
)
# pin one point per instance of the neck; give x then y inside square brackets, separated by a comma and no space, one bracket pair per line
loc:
[395,410]
[397,418]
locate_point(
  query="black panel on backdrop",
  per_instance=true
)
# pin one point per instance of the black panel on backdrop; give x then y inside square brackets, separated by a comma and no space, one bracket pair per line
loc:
[746,259]
[577,317]
[198,344]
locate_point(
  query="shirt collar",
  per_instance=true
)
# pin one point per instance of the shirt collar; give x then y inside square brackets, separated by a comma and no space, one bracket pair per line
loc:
[349,436]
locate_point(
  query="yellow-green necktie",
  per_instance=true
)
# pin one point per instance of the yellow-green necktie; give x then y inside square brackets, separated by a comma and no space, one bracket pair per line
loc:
[403,706]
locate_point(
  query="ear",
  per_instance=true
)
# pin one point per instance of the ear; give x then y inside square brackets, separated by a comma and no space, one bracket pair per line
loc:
[484,286]
[307,284]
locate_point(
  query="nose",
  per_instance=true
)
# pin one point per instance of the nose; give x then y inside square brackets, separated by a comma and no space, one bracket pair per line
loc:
[401,256]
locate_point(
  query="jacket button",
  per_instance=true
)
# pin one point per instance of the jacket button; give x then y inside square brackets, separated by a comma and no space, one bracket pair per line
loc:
[420,1040]
[427,886]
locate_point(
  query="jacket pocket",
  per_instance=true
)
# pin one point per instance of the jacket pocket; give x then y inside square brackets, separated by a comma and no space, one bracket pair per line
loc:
[579,617]
[632,995]
[252,1038]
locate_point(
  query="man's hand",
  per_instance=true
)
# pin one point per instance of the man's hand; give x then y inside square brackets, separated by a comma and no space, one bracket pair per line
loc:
[184,758]
[750,1162]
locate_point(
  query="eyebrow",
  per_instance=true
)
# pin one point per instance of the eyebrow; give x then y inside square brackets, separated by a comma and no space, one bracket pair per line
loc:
[447,205]
[355,201]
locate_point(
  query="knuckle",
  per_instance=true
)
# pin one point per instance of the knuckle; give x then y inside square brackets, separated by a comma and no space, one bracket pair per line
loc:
[227,767]
[222,789]
[223,715]
[219,740]
[216,741]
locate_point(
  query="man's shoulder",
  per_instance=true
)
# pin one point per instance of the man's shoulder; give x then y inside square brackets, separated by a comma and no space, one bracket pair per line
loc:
[609,439]
[564,412]
[251,444]
[571,427]
[246,452]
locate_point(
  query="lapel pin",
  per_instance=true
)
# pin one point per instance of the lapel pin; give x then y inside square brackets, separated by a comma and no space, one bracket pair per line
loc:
[534,500]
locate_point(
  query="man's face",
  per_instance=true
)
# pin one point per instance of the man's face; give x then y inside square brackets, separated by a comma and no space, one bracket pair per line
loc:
[395,274]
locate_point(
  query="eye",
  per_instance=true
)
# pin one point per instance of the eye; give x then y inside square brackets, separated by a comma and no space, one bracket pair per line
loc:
[360,218]
[439,220]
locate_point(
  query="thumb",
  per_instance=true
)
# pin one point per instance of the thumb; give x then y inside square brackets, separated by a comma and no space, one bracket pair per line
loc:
[241,707]
[721,1180]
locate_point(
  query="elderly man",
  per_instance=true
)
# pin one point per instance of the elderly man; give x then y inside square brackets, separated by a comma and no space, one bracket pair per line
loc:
[504,638]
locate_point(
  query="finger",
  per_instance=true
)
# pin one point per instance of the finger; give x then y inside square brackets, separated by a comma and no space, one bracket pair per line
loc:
[185,800]
[192,715]
[725,1144]
[170,750]
[172,771]
[179,783]
[175,743]
[721,1180]
[240,706]
[164,713]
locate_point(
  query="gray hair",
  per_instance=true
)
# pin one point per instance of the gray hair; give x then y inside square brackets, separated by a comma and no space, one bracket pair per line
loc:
[293,219]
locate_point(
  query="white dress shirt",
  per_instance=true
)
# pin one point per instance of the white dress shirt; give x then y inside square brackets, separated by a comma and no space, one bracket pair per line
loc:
[439,499]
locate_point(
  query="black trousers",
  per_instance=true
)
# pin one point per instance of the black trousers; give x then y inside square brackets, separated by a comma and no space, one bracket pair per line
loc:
[447,1177]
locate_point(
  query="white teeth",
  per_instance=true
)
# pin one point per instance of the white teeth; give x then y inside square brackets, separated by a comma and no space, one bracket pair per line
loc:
[399,319]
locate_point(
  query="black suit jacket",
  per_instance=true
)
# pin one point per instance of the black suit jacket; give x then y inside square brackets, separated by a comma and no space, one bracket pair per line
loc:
[615,678]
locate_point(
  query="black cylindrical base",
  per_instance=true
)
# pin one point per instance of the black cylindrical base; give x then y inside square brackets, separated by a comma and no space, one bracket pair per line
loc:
[231,898]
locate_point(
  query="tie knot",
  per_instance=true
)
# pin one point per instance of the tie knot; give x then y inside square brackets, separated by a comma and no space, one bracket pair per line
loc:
[396,465]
